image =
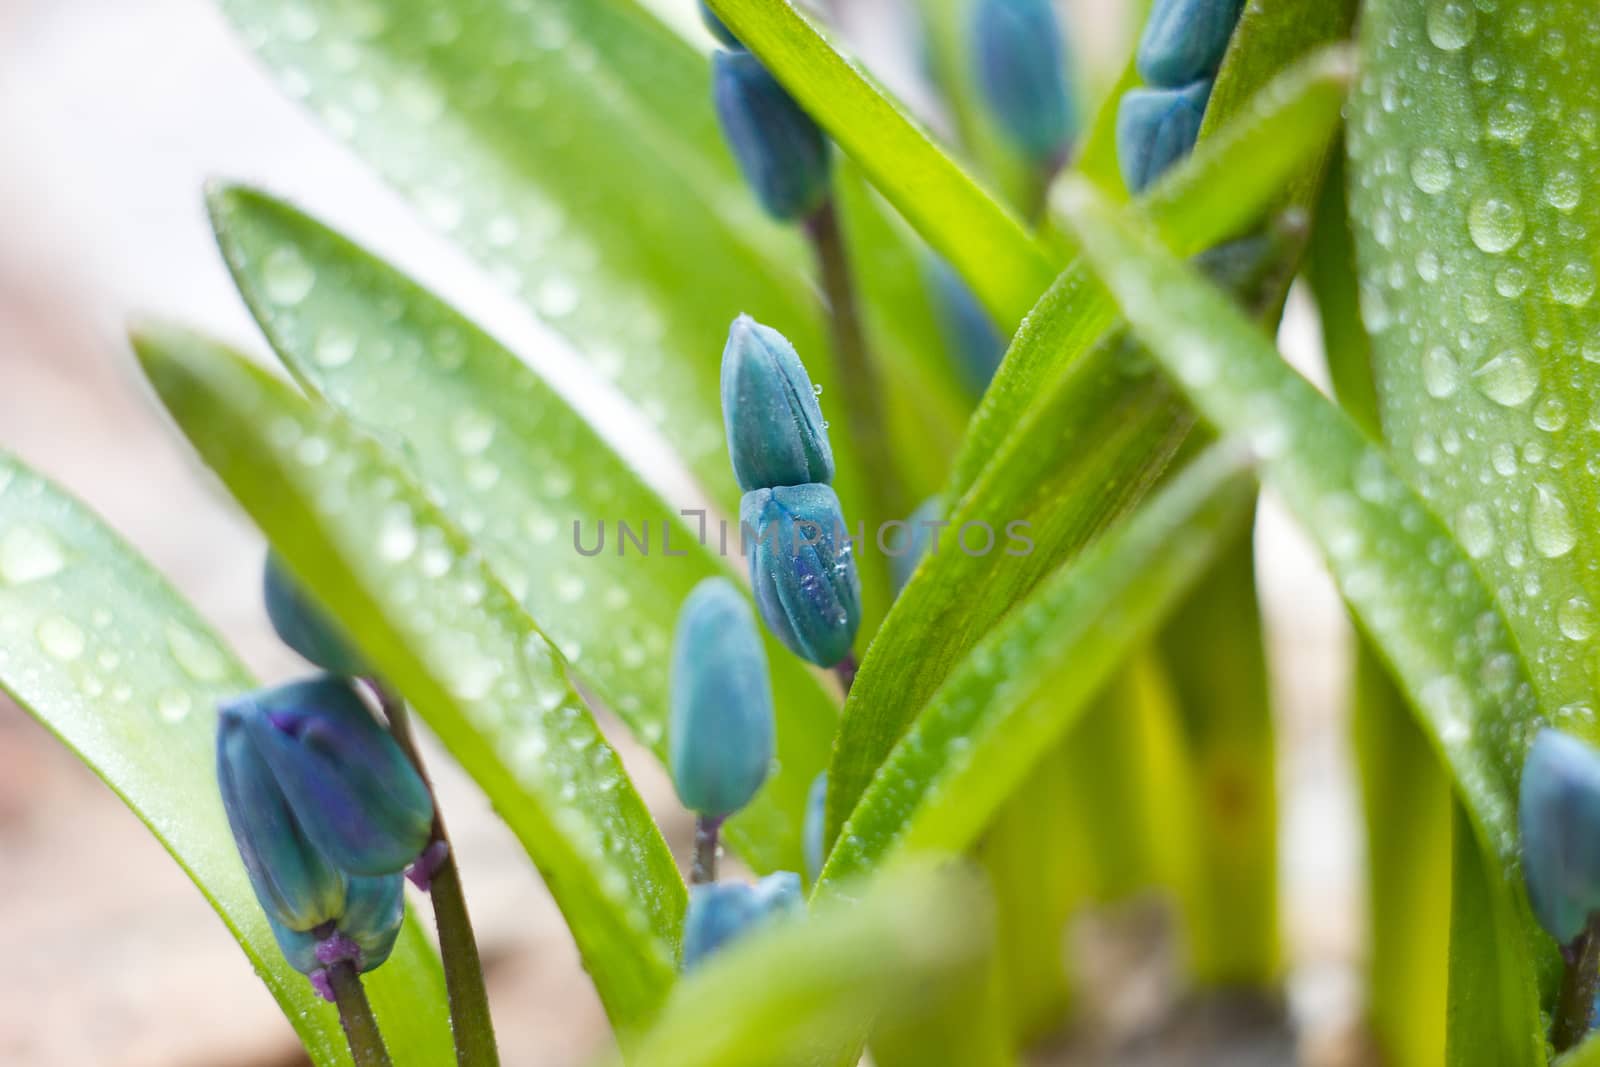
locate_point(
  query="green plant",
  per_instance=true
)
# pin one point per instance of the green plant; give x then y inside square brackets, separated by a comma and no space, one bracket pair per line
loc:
[1083,717]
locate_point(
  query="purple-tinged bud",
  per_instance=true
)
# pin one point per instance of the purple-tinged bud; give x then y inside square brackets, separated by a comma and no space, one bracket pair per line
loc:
[1558,814]
[1156,128]
[1184,40]
[303,626]
[1022,75]
[721,731]
[352,790]
[776,434]
[721,912]
[803,569]
[779,149]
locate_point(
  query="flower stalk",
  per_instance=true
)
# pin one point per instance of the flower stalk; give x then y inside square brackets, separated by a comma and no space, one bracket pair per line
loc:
[1579,985]
[355,1016]
[707,843]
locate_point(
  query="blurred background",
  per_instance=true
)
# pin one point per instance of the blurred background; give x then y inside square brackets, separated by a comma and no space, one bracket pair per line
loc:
[113,113]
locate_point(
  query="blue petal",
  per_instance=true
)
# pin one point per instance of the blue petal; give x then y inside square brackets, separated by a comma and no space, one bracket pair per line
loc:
[1559,818]
[802,567]
[722,912]
[1156,128]
[779,149]
[1185,40]
[303,626]
[1021,73]
[374,912]
[776,435]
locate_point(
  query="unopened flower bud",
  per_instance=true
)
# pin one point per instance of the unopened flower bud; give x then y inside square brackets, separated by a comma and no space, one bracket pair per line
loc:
[364,934]
[721,731]
[975,344]
[919,539]
[803,569]
[815,827]
[1184,40]
[1156,128]
[776,435]
[1022,75]
[352,791]
[1559,817]
[721,912]
[780,150]
[303,626]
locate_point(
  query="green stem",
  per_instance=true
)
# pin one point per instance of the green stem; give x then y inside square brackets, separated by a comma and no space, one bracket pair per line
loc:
[861,393]
[470,1022]
[1575,1003]
[355,1015]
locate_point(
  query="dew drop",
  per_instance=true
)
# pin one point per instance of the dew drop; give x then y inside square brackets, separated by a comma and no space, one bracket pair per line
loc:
[198,656]
[29,553]
[1451,24]
[1550,524]
[173,705]
[1511,282]
[472,431]
[557,297]
[1430,170]
[1576,619]
[60,637]
[287,276]
[397,534]
[1510,120]
[1507,379]
[1440,374]
[1495,224]
[1550,414]
[1573,284]
[335,347]
[1476,530]
[1563,191]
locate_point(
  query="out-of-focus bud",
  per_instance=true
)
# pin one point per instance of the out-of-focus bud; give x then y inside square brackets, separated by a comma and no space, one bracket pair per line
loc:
[815,827]
[803,569]
[780,150]
[352,790]
[298,887]
[1185,39]
[718,28]
[1022,76]
[1559,816]
[974,342]
[776,435]
[721,912]
[919,538]
[1156,128]
[301,624]
[720,736]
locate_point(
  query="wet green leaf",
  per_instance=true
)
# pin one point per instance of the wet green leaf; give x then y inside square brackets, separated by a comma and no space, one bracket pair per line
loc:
[99,648]
[421,605]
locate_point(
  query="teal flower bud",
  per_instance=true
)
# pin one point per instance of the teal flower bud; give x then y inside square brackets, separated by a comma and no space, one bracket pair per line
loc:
[718,28]
[720,737]
[779,149]
[919,539]
[1558,814]
[303,626]
[975,344]
[1156,128]
[353,793]
[721,912]
[803,569]
[815,828]
[1184,40]
[365,934]
[776,435]
[1022,75]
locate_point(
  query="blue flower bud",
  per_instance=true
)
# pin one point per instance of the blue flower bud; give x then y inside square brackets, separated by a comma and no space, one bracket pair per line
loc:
[1156,128]
[366,933]
[919,539]
[975,344]
[780,150]
[353,792]
[1021,74]
[718,28]
[1185,39]
[720,737]
[302,626]
[298,887]
[816,825]
[1559,817]
[720,912]
[803,569]
[776,435]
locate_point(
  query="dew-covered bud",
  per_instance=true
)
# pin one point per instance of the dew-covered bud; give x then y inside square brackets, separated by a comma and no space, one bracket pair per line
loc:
[975,344]
[919,539]
[718,28]
[721,912]
[1559,817]
[803,569]
[351,789]
[1184,40]
[1156,128]
[303,626]
[815,827]
[1022,76]
[780,150]
[776,435]
[720,738]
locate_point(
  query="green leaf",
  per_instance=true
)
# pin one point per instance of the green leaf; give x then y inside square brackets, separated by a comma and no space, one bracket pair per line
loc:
[1472,139]
[1006,266]
[1023,685]
[1073,430]
[1409,583]
[423,607]
[821,980]
[100,649]
[527,477]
